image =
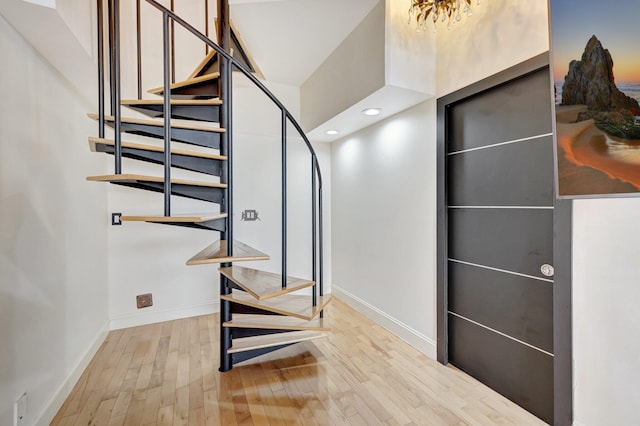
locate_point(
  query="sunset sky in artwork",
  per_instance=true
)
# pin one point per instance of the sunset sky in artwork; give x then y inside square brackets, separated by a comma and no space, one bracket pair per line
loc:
[614,22]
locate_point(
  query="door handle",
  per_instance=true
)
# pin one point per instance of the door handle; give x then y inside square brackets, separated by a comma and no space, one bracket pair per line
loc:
[547,270]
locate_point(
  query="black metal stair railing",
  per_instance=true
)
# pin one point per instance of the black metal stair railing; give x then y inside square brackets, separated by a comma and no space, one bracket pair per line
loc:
[227,64]
[114,73]
[100,13]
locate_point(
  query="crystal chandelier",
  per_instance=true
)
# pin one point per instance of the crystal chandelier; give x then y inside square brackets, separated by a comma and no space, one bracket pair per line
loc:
[420,10]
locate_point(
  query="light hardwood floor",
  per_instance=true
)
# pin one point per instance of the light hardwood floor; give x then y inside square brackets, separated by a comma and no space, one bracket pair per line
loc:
[166,374]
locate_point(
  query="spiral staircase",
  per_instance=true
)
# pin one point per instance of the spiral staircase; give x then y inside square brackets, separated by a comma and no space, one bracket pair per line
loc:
[260,311]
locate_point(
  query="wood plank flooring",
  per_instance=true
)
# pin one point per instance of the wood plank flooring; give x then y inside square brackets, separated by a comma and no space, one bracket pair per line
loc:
[166,374]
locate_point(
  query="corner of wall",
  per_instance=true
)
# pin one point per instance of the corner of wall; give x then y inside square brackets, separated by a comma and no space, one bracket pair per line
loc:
[160,315]
[61,35]
[410,335]
[352,72]
[63,391]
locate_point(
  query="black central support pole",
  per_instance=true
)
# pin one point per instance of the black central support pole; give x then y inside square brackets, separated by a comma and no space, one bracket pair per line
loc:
[226,177]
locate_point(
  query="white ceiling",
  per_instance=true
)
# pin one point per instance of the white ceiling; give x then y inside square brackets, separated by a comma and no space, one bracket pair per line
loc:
[289,39]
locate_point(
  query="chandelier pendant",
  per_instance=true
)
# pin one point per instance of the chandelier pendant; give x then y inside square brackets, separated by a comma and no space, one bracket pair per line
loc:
[445,10]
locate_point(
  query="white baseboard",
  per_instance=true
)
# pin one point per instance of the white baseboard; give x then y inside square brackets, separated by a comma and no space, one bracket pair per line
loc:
[51,409]
[153,316]
[413,337]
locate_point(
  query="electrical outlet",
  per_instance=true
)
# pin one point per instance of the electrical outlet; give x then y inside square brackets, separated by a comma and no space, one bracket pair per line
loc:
[20,410]
[144,300]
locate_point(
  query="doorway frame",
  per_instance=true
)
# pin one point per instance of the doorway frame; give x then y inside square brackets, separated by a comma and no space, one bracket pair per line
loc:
[562,245]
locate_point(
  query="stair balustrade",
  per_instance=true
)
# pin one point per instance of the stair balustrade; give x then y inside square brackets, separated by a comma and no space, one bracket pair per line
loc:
[221,86]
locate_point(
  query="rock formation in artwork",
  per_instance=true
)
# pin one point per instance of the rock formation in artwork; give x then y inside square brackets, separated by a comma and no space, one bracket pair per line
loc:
[590,82]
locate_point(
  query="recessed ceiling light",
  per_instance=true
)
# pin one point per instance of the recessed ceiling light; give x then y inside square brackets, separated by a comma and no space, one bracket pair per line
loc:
[371,111]
[332,132]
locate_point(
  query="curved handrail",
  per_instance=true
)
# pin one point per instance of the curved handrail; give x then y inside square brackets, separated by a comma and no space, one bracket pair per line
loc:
[169,14]
[248,74]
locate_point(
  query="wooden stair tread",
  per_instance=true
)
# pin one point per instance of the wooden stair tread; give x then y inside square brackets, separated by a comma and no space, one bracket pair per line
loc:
[277,322]
[201,66]
[190,102]
[187,82]
[263,285]
[133,177]
[217,253]
[155,148]
[243,344]
[286,304]
[160,123]
[186,218]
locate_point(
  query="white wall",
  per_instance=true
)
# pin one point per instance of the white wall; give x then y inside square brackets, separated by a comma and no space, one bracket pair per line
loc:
[384,220]
[605,285]
[606,292]
[353,71]
[80,17]
[384,62]
[499,34]
[62,36]
[53,244]
[409,54]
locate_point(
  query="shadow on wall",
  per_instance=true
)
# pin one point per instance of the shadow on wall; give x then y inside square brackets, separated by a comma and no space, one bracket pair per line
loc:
[32,302]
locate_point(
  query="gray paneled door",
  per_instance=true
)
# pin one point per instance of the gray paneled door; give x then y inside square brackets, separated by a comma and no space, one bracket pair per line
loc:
[500,213]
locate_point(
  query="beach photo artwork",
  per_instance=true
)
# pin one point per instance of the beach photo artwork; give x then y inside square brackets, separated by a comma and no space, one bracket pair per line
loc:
[596,72]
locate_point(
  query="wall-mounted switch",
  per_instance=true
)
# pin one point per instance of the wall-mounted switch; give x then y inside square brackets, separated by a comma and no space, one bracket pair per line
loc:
[116,218]
[250,215]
